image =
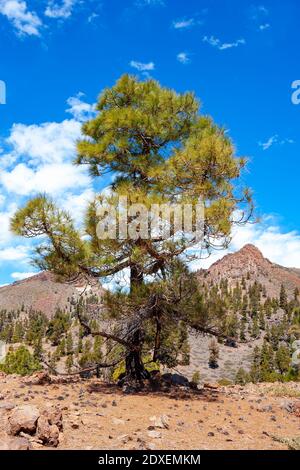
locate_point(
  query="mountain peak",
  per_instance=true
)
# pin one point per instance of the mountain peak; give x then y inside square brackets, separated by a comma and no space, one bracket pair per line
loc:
[251,250]
[249,263]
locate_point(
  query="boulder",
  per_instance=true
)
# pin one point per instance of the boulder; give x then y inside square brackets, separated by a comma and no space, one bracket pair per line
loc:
[54,416]
[47,433]
[39,378]
[175,379]
[23,418]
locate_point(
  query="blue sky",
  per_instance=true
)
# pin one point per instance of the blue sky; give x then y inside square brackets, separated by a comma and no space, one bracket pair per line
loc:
[240,58]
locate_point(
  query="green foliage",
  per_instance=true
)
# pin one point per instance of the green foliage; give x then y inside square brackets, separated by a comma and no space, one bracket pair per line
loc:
[20,362]
[242,377]
[58,327]
[224,382]
[213,354]
[196,377]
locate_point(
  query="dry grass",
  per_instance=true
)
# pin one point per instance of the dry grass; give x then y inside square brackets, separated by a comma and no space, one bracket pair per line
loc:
[284,390]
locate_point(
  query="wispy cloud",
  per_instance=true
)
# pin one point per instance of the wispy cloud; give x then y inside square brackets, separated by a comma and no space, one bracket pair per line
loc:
[274,140]
[263,27]
[25,22]
[259,15]
[141,66]
[183,58]
[145,3]
[184,24]
[79,109]
[63,9]
[215,42]
[21,276]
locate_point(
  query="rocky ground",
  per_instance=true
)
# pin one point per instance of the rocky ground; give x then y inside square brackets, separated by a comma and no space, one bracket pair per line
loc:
[91,415]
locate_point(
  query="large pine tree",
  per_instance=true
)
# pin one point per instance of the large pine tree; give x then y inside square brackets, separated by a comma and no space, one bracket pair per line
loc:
[159,149]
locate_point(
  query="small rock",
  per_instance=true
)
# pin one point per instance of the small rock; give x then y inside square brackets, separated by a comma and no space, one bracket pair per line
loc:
[124,438]
[118,421]
[6,405]
[15,443]
[160,422]
[264,408]
[154,434]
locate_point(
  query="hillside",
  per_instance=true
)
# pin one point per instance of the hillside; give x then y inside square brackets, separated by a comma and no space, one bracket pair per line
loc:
[250,286]
[43,293]
[245,284]
[250,263]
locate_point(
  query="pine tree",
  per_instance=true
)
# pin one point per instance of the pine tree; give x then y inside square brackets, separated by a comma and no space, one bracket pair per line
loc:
[69,343]
[69,363]
[242,377]
[97,349]
[243,330]
[262,321]
[283,359]
[283,298]
[255,371]
[144,135]
[214,354]
[255,328]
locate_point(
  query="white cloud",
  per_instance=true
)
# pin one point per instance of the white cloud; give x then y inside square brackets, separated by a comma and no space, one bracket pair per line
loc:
[52,178]
[184,24]
[50,142]
[92,17]
[79,109]
[17,253]
[141,66]
[21,276]
[264,26]
[271,141]
[5,216]
[263,9]
[274,140]
[25,22]
[259,15]
[183,58]
[215,42]
[144,3]
[61,9]
[39,158]
[76,204]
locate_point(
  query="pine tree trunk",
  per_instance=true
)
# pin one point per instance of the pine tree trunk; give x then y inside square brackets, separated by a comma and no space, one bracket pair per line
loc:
[135,371]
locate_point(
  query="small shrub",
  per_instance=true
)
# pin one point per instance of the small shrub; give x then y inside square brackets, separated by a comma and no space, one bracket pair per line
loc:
[225,382]
[196,377]
[242,377]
